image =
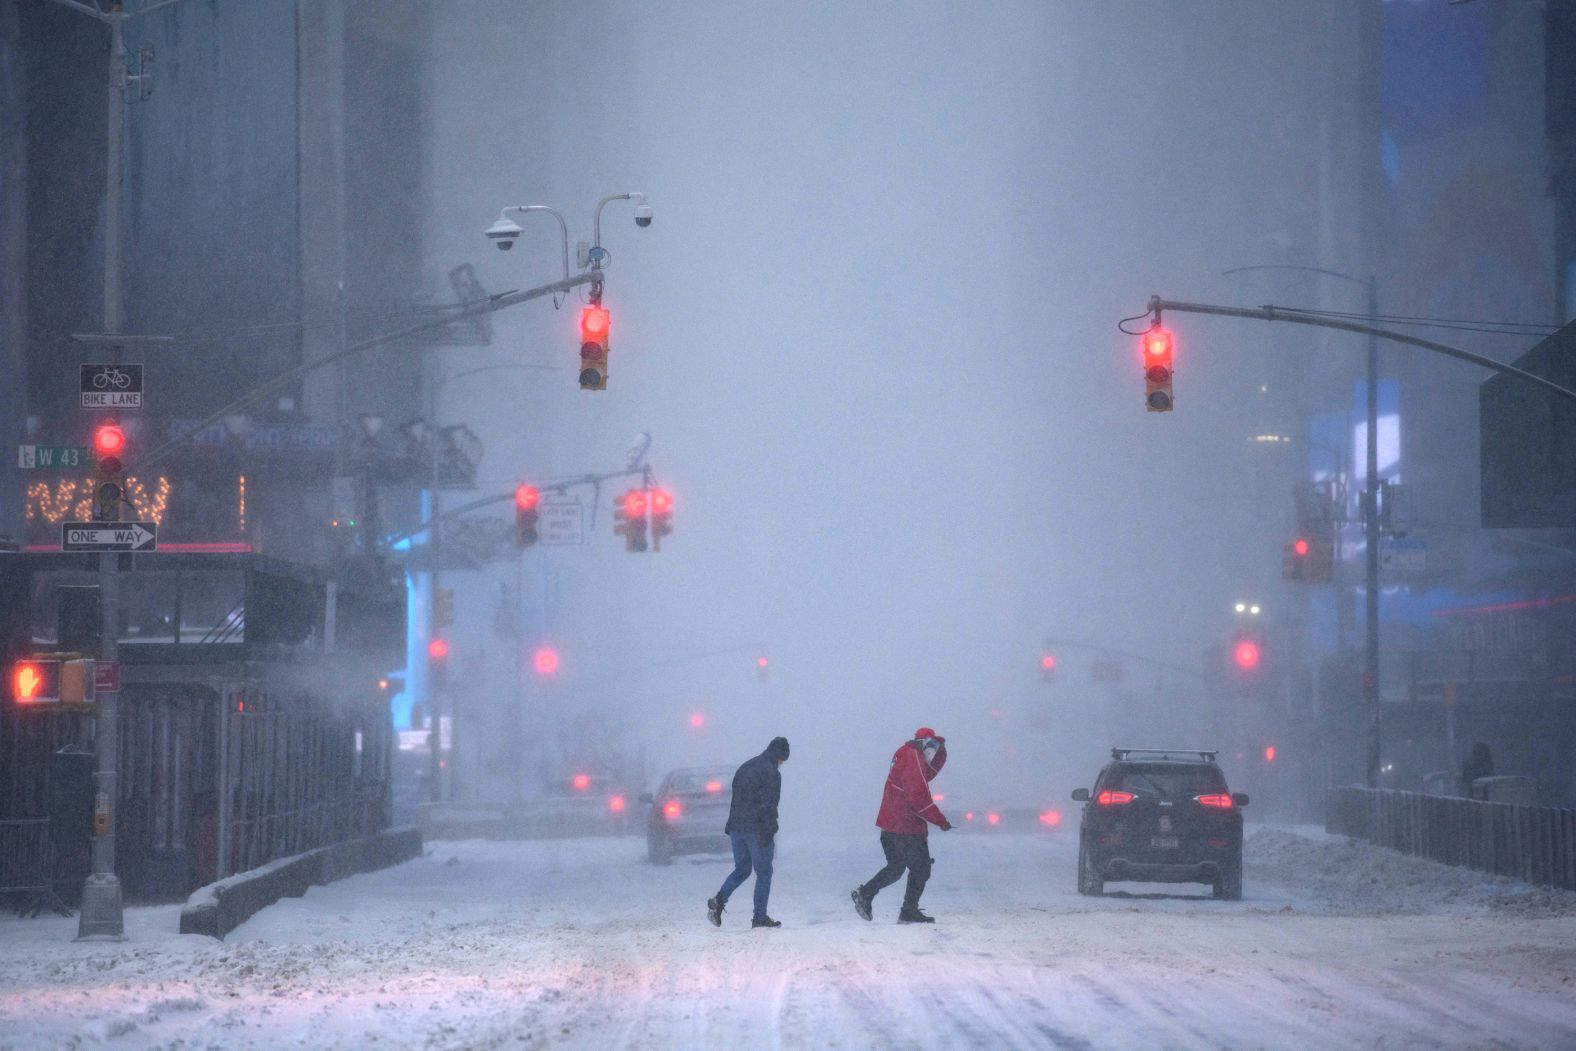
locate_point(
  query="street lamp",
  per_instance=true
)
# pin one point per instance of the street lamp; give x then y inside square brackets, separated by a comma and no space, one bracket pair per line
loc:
[1370,510]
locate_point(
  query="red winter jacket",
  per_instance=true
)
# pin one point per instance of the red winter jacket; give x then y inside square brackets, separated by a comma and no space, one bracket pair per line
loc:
[906,804]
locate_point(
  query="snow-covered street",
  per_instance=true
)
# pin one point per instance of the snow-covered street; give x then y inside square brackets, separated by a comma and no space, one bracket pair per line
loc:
[579,943]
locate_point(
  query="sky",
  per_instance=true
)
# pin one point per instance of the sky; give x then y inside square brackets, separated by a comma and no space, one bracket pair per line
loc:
[872,331]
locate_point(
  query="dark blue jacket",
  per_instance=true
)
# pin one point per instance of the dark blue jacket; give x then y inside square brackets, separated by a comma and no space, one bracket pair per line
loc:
[756,788]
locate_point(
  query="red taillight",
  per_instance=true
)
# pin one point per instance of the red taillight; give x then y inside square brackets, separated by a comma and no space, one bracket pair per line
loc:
[616,804]
[1051,818]
[714,786]
[671,809]
[993,818]
[1110,798]
[581,782]
[1221,801]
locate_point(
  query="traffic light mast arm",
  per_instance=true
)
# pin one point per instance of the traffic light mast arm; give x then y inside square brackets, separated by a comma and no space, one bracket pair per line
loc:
[563,485]
[490,305]
[1300,317]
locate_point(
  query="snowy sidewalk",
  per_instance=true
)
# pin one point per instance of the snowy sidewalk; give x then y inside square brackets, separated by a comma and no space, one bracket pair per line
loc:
[581,944]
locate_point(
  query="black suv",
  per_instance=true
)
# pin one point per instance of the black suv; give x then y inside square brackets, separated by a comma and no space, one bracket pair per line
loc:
[1159,816]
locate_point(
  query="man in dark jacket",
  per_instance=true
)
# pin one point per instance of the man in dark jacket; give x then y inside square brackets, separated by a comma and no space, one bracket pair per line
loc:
[906,806]
[752,829]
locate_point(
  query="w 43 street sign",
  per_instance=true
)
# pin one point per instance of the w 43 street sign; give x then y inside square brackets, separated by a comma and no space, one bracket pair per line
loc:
[108,536]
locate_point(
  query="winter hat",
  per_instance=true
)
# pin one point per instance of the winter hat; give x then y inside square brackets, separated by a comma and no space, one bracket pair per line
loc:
[923,732]
[778,749]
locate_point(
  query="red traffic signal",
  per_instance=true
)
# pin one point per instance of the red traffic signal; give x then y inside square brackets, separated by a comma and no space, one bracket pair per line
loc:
[108,440]
[438,649]
[595,323]
[526,500]
[1156,347]
[1245,654]
[661,503]
[545,661]
[629,519]
[1299,547]
[1048,667]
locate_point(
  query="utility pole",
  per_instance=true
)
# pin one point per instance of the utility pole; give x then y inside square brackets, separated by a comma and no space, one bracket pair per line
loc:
[1371,547]
[102,915]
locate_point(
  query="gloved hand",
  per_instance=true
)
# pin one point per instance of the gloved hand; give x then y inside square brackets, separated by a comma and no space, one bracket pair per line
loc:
[946,826]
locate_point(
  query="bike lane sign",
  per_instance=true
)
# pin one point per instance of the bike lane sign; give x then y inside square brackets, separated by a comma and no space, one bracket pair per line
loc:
[111,386]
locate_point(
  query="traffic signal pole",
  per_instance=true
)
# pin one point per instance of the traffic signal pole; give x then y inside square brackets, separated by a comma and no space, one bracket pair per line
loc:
[1370,684]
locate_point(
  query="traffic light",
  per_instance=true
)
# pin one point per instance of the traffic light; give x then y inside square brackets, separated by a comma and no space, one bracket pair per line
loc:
[661,504]
[35,682]
[545,660]
[527,499]
[109,443]
[629,519]
[1156,347]
[1048,667]
[438,650]
[763,666]
[594,324]
[1308,560]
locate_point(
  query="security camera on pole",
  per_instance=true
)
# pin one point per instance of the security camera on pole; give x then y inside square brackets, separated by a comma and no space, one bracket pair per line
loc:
[595,319]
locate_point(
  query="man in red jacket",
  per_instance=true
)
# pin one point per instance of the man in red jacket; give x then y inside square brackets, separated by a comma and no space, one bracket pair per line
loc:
[906,806]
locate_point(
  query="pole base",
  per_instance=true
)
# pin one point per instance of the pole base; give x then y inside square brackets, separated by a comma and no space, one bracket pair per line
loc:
[101,917]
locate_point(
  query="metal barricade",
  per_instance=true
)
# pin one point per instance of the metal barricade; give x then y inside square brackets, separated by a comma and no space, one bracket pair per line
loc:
[27,866]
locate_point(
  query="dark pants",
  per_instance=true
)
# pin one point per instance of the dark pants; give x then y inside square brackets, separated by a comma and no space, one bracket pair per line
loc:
[902,852]
[749,853]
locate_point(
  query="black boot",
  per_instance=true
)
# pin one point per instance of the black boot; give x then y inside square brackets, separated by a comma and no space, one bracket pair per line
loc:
[714,907]
[764,921]
[913,915]
[861,904]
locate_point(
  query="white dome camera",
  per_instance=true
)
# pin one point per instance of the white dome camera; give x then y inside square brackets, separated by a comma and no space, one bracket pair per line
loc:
[505,232]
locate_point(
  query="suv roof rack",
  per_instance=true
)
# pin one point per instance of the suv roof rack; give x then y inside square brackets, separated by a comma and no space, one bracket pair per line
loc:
[1190,755]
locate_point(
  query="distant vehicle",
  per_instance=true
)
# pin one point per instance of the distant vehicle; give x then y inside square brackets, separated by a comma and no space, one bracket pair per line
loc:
[688,813]
[1161,816]
[580,804]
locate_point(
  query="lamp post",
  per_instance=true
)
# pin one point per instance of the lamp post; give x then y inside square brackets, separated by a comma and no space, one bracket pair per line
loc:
[1370,511]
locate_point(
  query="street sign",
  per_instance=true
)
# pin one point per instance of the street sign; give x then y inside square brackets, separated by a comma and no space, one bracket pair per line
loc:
[108,536]
[47,457]
[1404,553]
[562,521]
[111,386]
[106,676]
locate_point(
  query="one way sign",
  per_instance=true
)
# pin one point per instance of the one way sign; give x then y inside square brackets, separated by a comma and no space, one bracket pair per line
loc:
[108,536]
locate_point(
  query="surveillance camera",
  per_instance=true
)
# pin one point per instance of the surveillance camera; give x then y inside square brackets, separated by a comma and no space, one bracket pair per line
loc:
[643,215]
[504,233]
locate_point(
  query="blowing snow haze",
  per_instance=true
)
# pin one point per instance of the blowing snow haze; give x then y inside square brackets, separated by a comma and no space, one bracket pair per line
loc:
[873,335]
[874,278]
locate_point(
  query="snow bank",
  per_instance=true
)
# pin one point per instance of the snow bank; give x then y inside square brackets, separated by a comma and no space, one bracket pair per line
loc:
[1355,875]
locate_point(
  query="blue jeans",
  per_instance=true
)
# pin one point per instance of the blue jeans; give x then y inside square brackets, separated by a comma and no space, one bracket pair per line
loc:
[748,853]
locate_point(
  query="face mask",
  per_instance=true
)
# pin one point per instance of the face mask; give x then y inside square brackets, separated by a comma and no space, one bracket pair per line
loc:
[930,751]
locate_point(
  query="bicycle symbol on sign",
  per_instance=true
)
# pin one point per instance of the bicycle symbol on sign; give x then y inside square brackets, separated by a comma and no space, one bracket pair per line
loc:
[111,377]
